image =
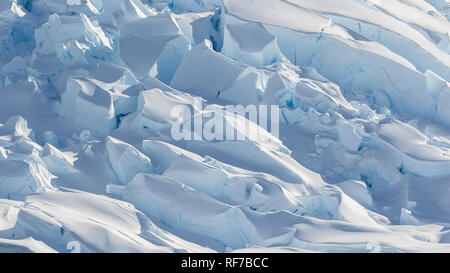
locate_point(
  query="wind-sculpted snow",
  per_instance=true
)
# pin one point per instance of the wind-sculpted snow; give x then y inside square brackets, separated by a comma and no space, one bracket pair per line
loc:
[115,121]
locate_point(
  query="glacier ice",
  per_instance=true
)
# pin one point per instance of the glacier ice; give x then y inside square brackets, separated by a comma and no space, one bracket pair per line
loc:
[15,129]
[22,177]
[89,105]
[250,43]
[240,84]
[72,39]
[358,191]
[192,5]
[55,161]
[87,151]
[189,74]
[142,40]
[23,174]
[164,154]
[38,214]
[159,196]
[126,160]
[224,183]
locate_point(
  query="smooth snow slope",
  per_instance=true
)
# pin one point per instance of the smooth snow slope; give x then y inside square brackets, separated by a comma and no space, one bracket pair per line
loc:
[88,162]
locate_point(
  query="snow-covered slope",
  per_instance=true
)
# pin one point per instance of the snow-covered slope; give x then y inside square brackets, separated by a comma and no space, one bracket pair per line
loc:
[360,160]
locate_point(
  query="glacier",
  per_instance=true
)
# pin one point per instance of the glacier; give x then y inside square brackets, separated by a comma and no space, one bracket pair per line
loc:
[361,155]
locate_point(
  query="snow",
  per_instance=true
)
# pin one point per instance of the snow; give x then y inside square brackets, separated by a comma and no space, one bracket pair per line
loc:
[89,105]
[164,154]
[14,128]
[126,160]
[256,193]
[358,191]
[23,174]
[56,161]
[194,5]
[70,37]
[349,13]
[159,197]
[154,109]
[27,245]
[251,44]
[280,13]
[89,160]
[143,40]
[122,227]
[189,74]
[419,158]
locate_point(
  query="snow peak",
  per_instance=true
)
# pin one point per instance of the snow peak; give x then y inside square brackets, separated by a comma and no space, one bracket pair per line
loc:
[200,263]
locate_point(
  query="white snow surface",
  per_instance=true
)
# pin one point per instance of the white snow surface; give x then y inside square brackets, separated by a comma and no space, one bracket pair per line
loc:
[88,162]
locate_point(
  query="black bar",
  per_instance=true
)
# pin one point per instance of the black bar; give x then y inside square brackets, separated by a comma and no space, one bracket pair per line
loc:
[233,263]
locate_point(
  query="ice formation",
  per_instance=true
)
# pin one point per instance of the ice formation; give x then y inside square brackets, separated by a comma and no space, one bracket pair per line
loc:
[87,154]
